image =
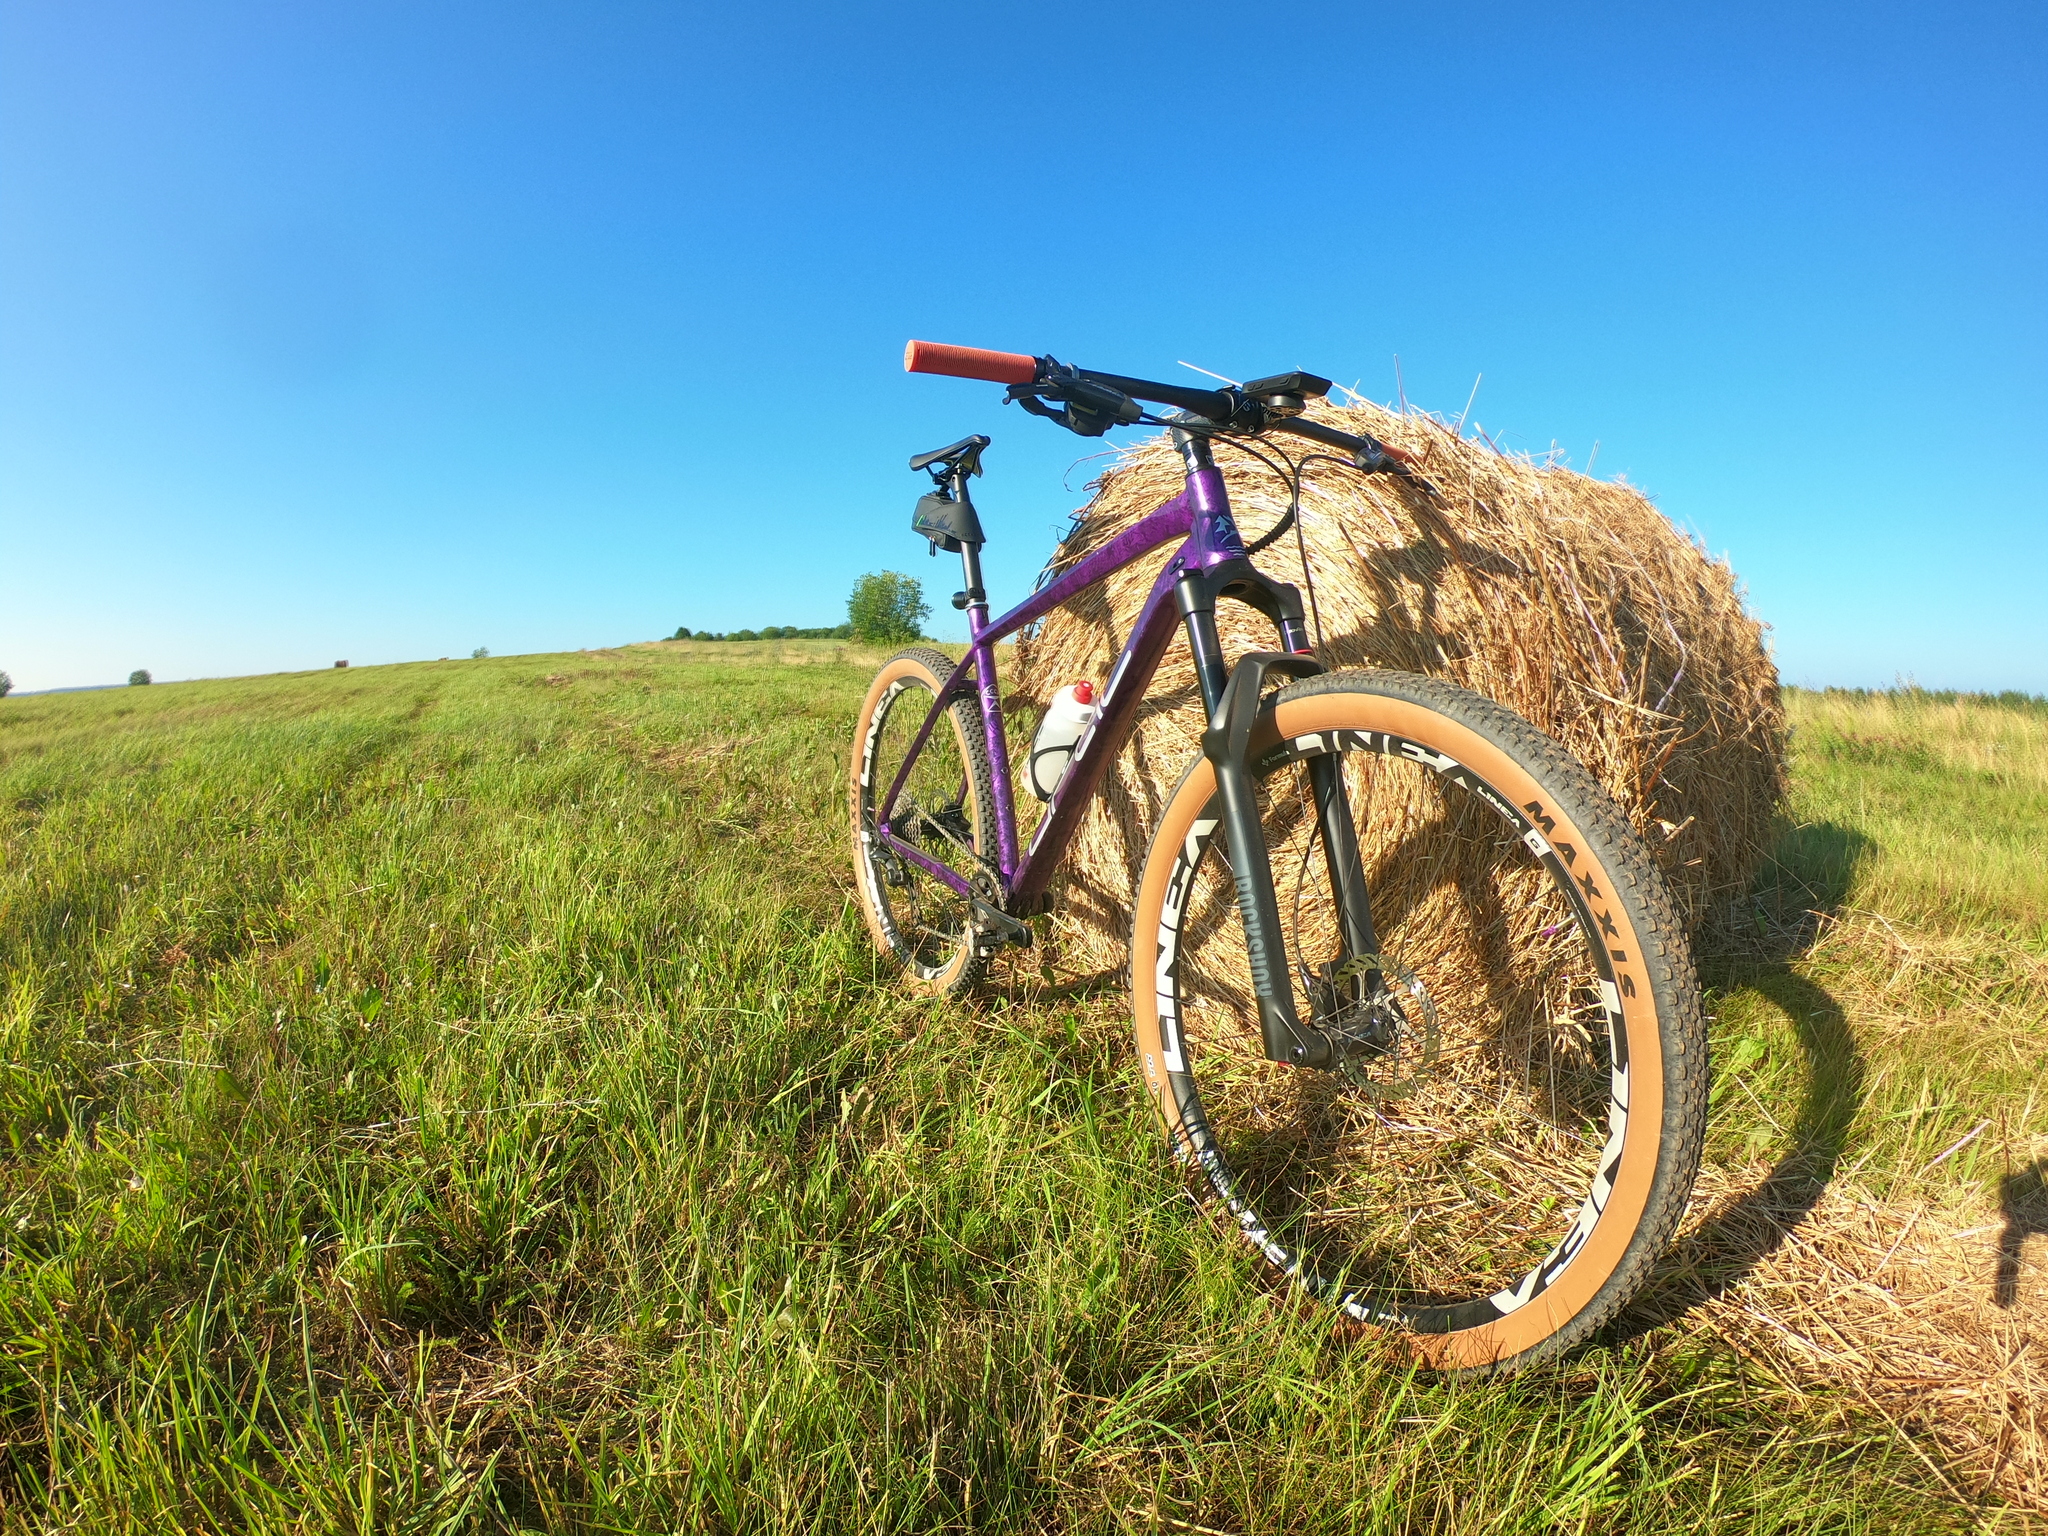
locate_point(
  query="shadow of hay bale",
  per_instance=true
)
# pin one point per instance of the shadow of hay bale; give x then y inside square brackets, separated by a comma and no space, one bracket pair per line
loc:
[1807,878]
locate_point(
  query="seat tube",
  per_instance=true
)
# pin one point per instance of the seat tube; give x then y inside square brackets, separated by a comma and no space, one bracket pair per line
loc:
[982,657]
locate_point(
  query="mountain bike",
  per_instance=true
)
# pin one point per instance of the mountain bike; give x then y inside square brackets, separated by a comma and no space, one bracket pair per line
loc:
[1410,996]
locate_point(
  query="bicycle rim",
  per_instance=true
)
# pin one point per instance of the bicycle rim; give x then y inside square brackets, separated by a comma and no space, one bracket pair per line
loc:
[1449,1180]
[941,811]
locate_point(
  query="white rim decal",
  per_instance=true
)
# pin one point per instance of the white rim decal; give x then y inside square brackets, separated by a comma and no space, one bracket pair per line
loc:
[1582,893]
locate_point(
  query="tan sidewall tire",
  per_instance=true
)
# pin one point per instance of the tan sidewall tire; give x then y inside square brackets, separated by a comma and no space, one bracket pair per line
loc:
[897,668]
[1612,1242]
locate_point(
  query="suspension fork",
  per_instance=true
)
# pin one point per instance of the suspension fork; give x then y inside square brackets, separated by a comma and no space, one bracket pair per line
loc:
[1231,696]
[1340,855]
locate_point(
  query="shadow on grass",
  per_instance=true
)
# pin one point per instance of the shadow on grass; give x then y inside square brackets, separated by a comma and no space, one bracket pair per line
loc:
[2023,1197]
[1805,881]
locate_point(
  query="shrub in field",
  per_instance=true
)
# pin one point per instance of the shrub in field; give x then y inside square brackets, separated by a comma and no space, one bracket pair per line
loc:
[138,677]
[887,607]
[480,653]
[682,632]
[6,685]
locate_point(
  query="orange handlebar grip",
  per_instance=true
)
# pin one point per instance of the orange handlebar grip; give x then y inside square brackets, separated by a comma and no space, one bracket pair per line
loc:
[969,362]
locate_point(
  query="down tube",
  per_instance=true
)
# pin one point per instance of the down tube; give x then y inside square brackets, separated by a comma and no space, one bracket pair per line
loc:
[1099,748]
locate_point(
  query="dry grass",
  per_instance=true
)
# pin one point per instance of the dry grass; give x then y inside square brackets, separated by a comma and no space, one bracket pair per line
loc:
[1872,1217]
[1929,1312]
[1572,600]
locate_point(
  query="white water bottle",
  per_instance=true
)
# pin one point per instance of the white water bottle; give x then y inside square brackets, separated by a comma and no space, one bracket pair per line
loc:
[1071,712]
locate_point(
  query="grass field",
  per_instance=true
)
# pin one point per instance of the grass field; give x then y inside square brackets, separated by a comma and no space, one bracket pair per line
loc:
[460,1096]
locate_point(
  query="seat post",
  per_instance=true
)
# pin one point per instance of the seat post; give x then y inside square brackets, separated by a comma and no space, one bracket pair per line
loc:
[975,597]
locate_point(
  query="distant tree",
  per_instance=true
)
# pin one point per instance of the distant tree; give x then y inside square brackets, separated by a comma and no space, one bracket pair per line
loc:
[745,634]
[480,653]
[843,632]
[682,632]
[138,677]
[887,607]
[6,685]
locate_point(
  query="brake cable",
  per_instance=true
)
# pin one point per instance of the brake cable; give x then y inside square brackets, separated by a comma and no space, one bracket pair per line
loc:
[1291,478]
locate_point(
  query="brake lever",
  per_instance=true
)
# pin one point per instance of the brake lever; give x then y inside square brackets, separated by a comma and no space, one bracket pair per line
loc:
[1091,408]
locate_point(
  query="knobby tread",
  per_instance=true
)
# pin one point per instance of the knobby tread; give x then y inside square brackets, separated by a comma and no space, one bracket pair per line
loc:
[1619,850]
[938,666]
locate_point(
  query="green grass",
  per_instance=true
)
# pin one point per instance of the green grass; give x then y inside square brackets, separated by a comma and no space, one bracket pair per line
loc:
[1897,993]
[461,1097]
[1945,797]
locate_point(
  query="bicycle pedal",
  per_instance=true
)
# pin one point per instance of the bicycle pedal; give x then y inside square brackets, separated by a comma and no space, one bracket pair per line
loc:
[996,928]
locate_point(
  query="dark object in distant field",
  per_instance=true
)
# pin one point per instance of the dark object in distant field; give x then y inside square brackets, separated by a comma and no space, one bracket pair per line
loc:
[138,677]
[341,663]
[480,653]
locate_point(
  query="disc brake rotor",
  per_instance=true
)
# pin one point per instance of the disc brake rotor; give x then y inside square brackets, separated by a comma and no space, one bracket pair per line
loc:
[1386,1031]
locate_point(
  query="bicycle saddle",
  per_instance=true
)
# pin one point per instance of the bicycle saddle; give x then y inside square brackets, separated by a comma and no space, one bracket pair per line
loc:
[966,453]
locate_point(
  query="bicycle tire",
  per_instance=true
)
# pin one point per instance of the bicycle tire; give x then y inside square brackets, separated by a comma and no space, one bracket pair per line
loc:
[925,927]
[1526,908]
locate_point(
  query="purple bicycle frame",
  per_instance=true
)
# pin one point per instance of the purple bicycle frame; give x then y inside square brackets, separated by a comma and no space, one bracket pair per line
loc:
[1200,517]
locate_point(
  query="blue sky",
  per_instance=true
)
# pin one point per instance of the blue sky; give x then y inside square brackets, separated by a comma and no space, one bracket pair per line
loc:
[385,331]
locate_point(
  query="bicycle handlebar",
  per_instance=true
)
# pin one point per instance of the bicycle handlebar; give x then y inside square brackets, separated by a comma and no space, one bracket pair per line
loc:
[1231,408]
[1349,442]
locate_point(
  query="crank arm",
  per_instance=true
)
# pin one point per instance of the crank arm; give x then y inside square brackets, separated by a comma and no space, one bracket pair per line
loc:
[998,924]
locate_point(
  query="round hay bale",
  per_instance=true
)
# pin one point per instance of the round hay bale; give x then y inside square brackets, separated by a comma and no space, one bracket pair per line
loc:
[1570,600]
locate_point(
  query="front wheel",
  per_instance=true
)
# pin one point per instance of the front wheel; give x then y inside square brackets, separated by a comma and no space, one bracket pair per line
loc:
[1509,1142]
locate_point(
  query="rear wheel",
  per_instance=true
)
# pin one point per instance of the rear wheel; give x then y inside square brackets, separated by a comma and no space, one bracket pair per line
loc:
[1510,1141]
[945,811]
